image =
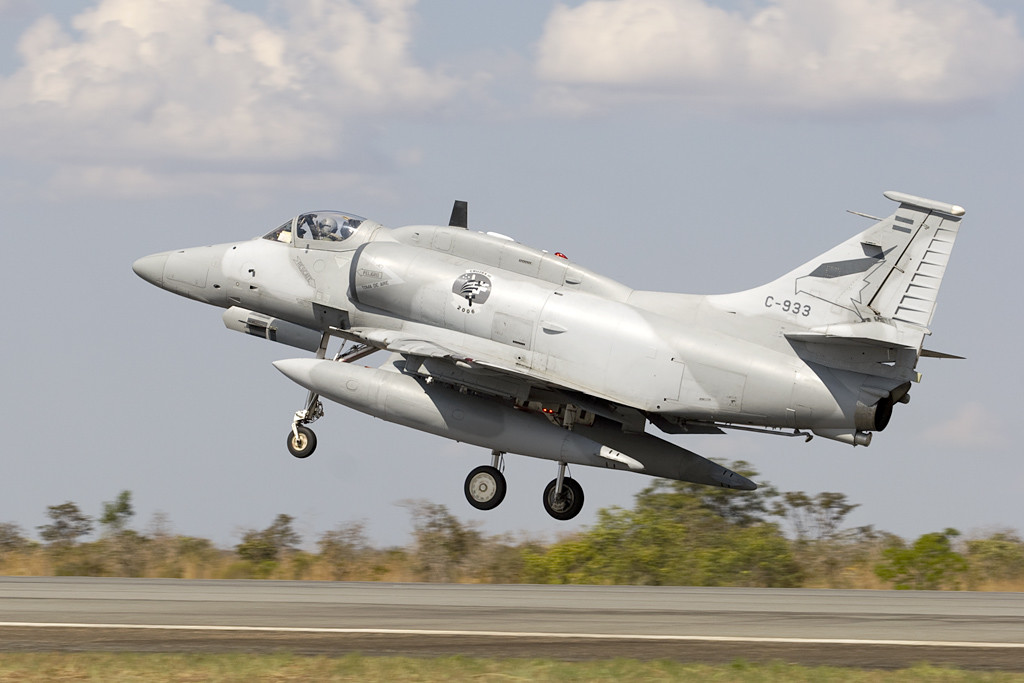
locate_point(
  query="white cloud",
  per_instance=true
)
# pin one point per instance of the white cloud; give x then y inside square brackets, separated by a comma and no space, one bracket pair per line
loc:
[198,81]
[792,54]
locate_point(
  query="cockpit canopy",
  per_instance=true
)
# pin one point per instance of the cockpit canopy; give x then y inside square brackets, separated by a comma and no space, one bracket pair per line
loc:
[323,227]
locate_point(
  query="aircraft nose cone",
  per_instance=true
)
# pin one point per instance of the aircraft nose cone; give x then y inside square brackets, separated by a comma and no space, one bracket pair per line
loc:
[151,268]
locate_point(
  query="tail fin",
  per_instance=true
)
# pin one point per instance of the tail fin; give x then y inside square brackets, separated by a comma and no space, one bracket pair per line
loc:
[889,272]
[909,291]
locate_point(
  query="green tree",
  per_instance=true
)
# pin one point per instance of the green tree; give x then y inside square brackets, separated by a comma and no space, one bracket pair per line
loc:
[256,548]
[67,525]
[122,549]
[676,534]
[264,548]
[118,513]
[929,564]
[282,535]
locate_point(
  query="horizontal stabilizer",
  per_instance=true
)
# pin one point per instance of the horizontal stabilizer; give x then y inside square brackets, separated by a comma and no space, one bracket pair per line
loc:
[925,353]
[882,349]
[863,334]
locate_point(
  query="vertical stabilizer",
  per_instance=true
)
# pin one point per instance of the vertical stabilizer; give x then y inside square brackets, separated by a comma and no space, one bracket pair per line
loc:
[909,291]
[891,271]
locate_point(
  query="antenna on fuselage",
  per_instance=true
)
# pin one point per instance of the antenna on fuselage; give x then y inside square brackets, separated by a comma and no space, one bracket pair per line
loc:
[460,215]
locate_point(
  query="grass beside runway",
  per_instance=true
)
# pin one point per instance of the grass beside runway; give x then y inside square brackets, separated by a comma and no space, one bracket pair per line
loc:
[283,668]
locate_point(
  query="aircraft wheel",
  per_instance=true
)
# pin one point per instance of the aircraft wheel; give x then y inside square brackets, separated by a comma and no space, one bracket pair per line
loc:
[485,487]
[303,445]
[567,505]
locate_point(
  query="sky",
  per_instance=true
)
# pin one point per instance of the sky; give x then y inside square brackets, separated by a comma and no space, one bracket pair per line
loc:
[699,146]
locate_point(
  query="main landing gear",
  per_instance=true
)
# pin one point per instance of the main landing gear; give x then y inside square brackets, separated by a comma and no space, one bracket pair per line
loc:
[485,486]
[301,439]
[563,496]
[485,489]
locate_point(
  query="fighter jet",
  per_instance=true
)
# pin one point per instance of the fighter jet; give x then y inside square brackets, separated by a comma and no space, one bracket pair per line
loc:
[520,351]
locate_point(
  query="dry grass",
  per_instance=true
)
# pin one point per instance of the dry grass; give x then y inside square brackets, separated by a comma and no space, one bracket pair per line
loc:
[130,668]
[225,565]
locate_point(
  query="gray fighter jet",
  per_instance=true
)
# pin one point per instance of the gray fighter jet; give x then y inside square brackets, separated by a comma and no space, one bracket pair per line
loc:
[521,351]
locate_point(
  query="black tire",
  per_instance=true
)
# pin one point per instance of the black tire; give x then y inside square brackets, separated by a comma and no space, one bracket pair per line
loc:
[485,487]
[304,446]
[569,504]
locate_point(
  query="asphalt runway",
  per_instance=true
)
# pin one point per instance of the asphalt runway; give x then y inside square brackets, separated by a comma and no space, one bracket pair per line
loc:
[885,629]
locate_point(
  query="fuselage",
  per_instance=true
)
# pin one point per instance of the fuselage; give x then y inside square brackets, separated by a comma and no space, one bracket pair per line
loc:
[686,358]
[519,351]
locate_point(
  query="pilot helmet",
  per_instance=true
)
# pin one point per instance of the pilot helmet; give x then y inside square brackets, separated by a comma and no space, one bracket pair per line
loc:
[327,225]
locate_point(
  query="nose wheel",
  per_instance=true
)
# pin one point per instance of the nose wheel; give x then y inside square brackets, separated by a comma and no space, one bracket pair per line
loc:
[301,441]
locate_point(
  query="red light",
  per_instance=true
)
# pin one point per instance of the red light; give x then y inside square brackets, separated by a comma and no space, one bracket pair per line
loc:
[561,255]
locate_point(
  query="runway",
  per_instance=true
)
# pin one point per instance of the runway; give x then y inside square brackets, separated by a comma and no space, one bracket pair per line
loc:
[852,628]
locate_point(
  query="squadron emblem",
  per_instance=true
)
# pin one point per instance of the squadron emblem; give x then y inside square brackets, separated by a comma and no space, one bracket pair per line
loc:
[474,287]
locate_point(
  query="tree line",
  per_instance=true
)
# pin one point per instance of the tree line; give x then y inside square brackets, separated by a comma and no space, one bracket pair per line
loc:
[676,533]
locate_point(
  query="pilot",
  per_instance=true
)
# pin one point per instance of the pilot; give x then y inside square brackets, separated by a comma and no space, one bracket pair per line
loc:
[327,228]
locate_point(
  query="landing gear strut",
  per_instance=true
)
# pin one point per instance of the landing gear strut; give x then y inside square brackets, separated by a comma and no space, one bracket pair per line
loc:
[563,496]
[485,486]
[301,439]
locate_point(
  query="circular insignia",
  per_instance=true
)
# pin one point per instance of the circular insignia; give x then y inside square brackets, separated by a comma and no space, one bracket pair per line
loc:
[473,287]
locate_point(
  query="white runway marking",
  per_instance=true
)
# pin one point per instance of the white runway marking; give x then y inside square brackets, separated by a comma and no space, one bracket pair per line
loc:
[520,634]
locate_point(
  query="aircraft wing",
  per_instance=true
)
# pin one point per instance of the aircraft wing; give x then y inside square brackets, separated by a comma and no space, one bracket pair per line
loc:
[455,353]
[408,346]
[484,368]
[477,359]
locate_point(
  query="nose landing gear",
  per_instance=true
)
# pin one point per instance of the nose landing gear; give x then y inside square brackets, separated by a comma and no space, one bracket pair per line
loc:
[301,439]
